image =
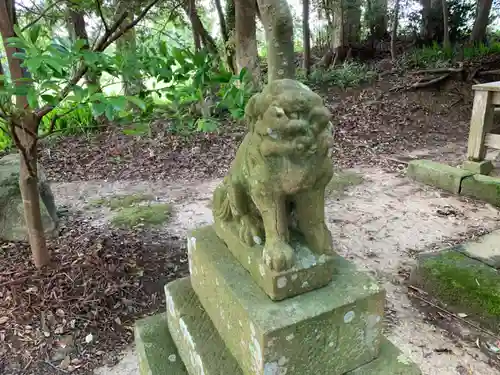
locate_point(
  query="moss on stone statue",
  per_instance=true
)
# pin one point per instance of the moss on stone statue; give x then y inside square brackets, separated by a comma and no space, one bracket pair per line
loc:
[150,215]
[466,285]
[280,172]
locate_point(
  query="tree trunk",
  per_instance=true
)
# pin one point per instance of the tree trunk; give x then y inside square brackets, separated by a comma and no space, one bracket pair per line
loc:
[376,19]
[26,144]
[198,28]
[307,37]
[278,24]
[231,34]
[126,46]
[77,30]
[394,31]
[222,21]
[432,20]
[346,27]
[478,34]
[246,39]
[446,34]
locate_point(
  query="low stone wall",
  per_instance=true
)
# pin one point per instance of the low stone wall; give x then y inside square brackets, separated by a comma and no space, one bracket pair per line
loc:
[456,180]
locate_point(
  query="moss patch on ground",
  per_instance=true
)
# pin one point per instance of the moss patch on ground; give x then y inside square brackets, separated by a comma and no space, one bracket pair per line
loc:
[120,201]
[150,215]
[464,284]
[341,181]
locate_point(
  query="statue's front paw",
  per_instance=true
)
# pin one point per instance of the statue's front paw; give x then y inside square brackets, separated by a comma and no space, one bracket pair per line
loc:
[279,256]
[249,231]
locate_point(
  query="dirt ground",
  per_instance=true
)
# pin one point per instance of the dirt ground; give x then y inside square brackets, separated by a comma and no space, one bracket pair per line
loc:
[379,224]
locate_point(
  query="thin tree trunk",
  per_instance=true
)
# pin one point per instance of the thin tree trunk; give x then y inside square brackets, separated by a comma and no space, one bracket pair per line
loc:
[278,23]
[446,34]
[222,21]
[231,31]
[246,39]
[28,181]
[199,30]
[306,36]
[482,19]
[394,31]
[126,46]
[77,30]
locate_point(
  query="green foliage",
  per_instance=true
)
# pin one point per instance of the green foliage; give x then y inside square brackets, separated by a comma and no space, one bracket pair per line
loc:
[5,141]
[349,74]
[436,56]
[70,121]
[51,66]
[194,88]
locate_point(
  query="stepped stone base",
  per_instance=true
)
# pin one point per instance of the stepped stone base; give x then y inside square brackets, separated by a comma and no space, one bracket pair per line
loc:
[197,343]
[337,327]
[310,271]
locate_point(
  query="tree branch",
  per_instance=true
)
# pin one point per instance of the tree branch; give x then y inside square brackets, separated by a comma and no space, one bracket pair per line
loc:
[130,25]
[99,10]
[44,12]
[110,36]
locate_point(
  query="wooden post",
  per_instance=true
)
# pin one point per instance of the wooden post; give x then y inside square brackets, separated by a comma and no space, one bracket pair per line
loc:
[480,124]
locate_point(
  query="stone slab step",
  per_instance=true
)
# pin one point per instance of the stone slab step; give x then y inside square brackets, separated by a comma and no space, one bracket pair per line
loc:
[463,284]
[336,327]
[158,354]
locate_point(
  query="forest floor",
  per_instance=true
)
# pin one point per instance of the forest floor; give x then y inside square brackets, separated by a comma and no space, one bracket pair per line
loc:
[107,277]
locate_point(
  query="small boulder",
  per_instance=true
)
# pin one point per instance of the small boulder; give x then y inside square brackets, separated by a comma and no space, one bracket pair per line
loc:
[12,223]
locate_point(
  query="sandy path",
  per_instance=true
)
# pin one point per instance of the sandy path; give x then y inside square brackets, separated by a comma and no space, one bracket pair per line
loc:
[379,224]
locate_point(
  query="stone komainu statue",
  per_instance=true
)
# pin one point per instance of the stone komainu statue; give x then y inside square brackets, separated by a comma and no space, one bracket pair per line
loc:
[278,178]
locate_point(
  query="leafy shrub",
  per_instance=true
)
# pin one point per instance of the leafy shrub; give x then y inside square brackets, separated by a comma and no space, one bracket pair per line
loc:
[349,74]
[5,141]
[78,121]
[436,56]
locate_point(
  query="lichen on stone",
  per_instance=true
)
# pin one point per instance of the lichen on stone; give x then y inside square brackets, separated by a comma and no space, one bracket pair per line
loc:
[277,180]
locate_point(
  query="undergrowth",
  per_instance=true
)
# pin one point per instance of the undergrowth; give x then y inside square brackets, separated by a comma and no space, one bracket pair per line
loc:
[349,74]
[435,56]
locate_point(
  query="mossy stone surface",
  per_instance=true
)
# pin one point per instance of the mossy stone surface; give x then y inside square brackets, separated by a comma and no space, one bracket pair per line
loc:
[486,249]
[485,188]
[147,215]
[331,330]
[436,174]
[156,350]
[484,167]
[465,285]
[389,362]
[12,222]
[199,345]
[310,271]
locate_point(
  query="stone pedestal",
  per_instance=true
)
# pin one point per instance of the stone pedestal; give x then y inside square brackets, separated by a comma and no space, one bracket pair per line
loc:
[221,320]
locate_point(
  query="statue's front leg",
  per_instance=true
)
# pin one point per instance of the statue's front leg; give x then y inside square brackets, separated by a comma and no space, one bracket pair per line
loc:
[277,253]
[310,212]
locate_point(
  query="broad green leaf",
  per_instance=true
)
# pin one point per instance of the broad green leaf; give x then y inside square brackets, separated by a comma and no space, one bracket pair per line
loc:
[19,55]
[34,63]
[243,74]
[110,113]
[35,32]
[32,97]
[138,102]
[16,43]
[118,102]
[79,44]
[50,99]
[98,108]
[79,92]
[54,64]
[98,96]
